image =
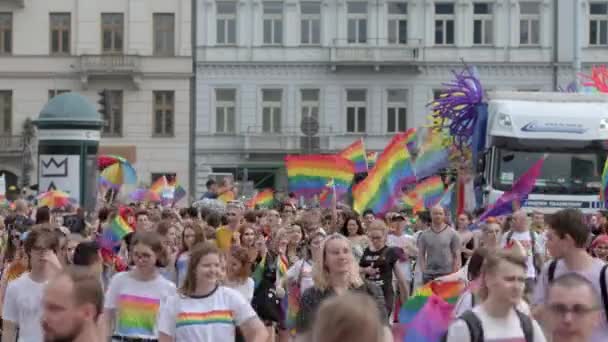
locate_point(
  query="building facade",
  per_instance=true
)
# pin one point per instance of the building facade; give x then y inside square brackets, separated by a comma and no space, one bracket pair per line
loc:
[362,69]
[139,51]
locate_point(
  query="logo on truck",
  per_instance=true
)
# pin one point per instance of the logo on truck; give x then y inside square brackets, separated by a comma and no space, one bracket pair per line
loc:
[554,127]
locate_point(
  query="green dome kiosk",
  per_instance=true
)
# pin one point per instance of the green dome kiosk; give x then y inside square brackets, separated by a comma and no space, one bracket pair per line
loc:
[68,139]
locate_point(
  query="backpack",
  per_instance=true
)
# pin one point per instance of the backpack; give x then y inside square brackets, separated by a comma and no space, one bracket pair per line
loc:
[476,328]
[535,261]
[604,290]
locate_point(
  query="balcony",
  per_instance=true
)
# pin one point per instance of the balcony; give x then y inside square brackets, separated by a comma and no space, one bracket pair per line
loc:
[375,51]
[110,66]
[18,3]
[11,144]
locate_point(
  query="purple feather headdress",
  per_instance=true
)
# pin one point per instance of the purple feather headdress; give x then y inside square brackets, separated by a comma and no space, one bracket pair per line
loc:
[455,109]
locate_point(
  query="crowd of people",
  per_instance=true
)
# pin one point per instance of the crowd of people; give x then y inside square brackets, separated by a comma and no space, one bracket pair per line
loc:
[298,274]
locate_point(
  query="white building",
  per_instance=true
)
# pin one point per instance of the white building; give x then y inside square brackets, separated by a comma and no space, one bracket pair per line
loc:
[362,68]
[139,50]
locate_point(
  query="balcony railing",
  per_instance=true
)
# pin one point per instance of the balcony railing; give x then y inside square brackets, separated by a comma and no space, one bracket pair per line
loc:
[127,66]
[372,51]
[11,143]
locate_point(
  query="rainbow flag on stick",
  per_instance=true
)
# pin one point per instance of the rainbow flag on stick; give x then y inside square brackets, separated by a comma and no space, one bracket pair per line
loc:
[263,199]
[411,139]
[433,156]
[379,191]
[114,233]
[604,187]
[307,175]
[160,186]
[431,190]
[355,152]
[327,194]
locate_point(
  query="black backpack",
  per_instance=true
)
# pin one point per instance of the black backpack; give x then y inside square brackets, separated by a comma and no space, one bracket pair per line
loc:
[476,328]
[604,290]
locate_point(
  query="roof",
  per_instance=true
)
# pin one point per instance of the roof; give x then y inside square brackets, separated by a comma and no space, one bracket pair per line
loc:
[69,110]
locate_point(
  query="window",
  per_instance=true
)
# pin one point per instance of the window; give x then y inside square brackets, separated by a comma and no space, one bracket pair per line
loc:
[444,23]
[164,113]
[437,93]
[226,22]
[113,118]
[6,111]
[356,107]
[529,23]
[55,92]
[310,103]
[273,23]
[112,32]
[225,107]
[271,110]
[60,33]
[396,110]
[357,22]
[483,33]
[164,34]
[6,33]
[310,24]
[397,23]
[170,176]
[598,23]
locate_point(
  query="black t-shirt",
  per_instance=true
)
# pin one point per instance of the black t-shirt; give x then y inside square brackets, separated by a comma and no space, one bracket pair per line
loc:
[384,260]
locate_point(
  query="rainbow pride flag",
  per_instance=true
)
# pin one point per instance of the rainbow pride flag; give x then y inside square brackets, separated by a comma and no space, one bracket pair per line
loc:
[282,266]
[263,199]
[327,194]
[604,187]
[381,188]
[160,186]
[430,190]
[371,159]
[308,174]
[355,152]
[411,139]
[434,155]
[426,316]
[114,233]
[258,272]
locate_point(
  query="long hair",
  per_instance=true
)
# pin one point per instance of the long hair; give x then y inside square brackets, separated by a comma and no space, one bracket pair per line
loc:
[199,235]
[241,254]
[198,252]
[154,241]
[321,273]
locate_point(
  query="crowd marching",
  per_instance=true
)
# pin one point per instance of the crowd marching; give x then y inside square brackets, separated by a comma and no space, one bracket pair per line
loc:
[289,273]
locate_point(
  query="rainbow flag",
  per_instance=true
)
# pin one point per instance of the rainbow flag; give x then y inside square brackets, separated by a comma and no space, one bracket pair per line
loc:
[179,193]
[371,159]
[446,198]
[430,190]
[308,174]
[282,266]
[355,152]
[449,291]
[258,272]
[382,186]
[160,186]
[114,233]
[291,305]
[433,156]
[411,138]
[263,199]
[327,194]
[604,187]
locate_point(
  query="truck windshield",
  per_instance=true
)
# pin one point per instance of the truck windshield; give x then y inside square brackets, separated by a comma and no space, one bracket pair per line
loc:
[563,172]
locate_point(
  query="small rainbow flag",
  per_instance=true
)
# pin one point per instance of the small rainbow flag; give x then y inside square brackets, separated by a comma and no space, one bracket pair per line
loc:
[411,139]
[263,199]
[160,186]
[355,152]
[449,291]
[326,196]
[433,156]
[371,159]
[282,266]
[308,174]
[604,187]
[115,232]
[382,186]
[430,190]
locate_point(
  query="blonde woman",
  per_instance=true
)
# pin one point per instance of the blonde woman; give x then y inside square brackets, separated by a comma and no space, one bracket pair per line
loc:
[336,273]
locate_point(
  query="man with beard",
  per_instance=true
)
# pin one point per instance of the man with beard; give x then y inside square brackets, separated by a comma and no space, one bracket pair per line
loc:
[72,304]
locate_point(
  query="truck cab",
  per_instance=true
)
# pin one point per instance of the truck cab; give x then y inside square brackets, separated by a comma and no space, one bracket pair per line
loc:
[571,129]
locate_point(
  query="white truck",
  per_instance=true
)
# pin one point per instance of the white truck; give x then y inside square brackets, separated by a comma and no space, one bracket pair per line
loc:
[571,128]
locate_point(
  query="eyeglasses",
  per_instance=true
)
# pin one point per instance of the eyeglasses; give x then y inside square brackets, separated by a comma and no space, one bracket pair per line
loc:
[576,310]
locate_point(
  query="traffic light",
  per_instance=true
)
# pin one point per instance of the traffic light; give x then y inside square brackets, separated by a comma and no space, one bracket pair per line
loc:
[104,103]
